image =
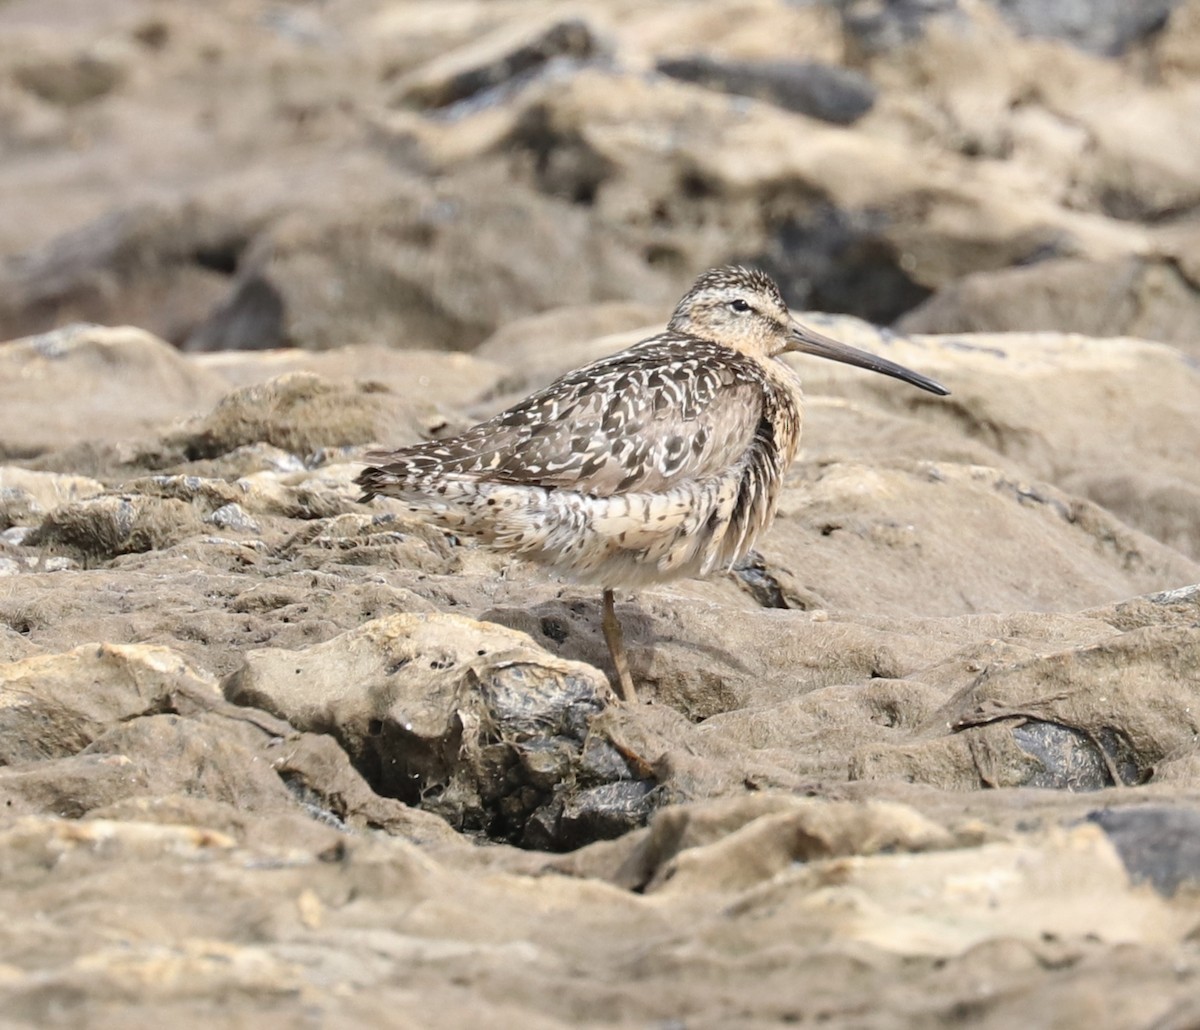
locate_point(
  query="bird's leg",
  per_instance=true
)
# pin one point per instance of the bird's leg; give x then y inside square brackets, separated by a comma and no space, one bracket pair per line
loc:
[616,648]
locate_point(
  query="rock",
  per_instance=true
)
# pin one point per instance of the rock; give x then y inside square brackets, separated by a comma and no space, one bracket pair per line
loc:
[214,757]
[877,28]
[1157,843]
[374,542]
[832,94]
[202,492]
[160,266]
[536,350]
[1125,171]
[460,717]
[509,54]
[736,843]
[81,79]
[298,412]
[1091,696]
[213,612]
[1091,139]
[234,517]
[1068,407]
[17,507]
[774,676]
[1069,759]
[1174,47]
[124,740]
[740,174]
[434,377]
[149,756]
[100,369]
[104,527]
[17,537]
[1136,298]
[823,257]
[1108,28]
[1026,886]
[867,537]
[45,714]
[256,461]
[376,908]
[377,276]
[319,775]
[72,786]
[223,823]
[748,32]
[35,493]
[251,317]
[1162,505]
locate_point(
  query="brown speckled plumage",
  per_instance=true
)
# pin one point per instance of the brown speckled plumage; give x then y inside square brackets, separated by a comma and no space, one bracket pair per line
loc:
[663,461]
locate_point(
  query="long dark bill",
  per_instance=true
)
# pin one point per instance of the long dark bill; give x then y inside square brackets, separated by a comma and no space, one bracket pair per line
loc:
[807,341]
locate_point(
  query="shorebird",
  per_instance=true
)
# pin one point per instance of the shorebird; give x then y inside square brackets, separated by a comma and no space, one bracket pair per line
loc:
[662,462]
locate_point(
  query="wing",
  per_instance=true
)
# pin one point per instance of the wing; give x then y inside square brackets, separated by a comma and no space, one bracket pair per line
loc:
[667,409]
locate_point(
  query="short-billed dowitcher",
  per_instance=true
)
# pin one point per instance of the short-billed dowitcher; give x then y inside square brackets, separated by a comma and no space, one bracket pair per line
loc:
[660,462]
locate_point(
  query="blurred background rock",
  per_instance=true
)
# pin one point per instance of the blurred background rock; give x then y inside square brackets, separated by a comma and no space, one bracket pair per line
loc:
[245,175]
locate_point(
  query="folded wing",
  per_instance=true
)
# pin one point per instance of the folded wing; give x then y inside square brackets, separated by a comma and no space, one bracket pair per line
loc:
[657,414]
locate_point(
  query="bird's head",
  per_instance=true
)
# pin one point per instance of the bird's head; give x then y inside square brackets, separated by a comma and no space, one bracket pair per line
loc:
[742,308]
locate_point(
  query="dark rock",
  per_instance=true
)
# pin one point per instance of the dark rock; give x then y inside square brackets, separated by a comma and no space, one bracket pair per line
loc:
[496,60]
[604,812]
[564,164]
[602,762]
[318,773]
[1105,27]
[250,318]
[752,573]
[1069,760]
[827,259]
[833,94]
[1157,843]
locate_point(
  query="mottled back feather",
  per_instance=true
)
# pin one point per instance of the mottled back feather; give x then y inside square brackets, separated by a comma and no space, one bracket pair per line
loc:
[670,408]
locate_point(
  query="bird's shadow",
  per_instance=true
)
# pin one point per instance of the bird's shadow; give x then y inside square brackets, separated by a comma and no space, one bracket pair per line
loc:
[570,627]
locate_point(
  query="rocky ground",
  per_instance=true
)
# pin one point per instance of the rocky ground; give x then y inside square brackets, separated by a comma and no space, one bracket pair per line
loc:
[929,758]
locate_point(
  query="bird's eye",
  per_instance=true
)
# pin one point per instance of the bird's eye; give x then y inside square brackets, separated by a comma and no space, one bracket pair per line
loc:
[740,306]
